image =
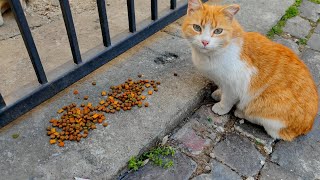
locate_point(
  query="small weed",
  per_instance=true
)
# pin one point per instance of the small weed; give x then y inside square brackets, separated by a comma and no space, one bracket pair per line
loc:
[258,142]
[315,1]
[302,41]
[209,119]
[15,136]
[156,155]
[291,12]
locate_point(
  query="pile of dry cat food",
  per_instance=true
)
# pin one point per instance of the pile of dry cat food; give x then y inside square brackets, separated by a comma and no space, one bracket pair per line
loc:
[76,122]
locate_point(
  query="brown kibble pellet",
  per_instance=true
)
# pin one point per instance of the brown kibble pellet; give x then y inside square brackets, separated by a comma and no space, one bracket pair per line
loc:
[147,85]
[75,92]
[175,74]
[61,144]
[139,75]
[52,141]
[86,97]
[105,124]
[94,83]
[150,92]
[103,93]
[60,111]
[158,83]
[146,104]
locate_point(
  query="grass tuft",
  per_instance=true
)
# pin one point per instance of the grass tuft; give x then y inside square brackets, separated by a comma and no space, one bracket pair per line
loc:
[156,155]
[291,12]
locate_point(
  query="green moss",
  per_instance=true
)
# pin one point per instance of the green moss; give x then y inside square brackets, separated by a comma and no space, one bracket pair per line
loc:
[315,1]
[291,12]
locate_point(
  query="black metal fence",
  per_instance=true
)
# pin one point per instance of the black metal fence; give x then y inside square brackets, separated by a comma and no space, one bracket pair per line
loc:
[9,112]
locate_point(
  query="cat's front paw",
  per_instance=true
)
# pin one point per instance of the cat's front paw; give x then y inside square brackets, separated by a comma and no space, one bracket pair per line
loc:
[218,108]
[216,95]
[238,113]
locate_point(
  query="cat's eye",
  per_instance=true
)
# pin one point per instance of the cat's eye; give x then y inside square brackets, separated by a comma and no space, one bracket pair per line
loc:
[197,28]
[218,31]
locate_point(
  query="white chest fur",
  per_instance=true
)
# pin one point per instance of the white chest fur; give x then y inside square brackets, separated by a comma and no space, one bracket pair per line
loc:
[227,70]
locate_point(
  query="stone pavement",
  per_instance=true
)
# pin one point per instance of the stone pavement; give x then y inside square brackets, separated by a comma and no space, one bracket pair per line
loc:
[227,148]
[205,149]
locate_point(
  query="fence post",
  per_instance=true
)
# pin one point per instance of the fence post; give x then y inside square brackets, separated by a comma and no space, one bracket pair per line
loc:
[28,40]
[104,22]
[131,16]
[67,17]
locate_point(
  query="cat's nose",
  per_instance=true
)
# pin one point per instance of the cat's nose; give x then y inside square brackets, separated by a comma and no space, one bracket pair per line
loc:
[205,43]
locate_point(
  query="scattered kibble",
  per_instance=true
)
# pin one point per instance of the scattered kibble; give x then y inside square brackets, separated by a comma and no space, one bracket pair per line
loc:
[94,83]
[75,92]
[139,75]
[76,122]
[175,74]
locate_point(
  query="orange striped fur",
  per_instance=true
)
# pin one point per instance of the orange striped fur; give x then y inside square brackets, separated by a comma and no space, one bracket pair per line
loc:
[267,81]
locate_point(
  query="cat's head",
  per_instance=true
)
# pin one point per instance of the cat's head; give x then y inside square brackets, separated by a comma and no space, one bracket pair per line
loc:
[209,27]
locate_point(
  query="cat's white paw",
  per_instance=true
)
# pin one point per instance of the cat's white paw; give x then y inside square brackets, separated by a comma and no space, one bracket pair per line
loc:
[218,108]
[216,95]
[238,113]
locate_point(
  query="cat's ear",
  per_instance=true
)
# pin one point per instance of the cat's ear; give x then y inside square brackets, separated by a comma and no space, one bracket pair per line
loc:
[193,5]
[231,10]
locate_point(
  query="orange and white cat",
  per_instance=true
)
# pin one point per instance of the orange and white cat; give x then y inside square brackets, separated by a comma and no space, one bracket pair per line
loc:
[267,82]
[4,6]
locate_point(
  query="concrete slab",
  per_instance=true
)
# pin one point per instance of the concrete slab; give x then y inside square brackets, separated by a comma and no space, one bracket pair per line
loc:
[106,151]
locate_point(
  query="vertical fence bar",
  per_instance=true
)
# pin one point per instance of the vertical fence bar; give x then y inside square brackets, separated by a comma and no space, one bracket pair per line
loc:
[173,4]
[104,22]
[154,9]
[2,103]
[131,16]
[67,16]
[28,40]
